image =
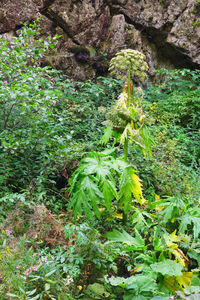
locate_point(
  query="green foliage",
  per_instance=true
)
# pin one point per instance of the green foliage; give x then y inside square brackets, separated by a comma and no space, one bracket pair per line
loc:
[176,97]
[30,275]
[29,139]
[43,114]
[137,287]
[87,253]
[131,243]
[101,179]
[47,123]
[192,217]
[83,106]
[175,130]
[167,267]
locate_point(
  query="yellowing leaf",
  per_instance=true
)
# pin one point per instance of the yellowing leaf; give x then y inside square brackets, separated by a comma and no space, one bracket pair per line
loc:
[137,189]
[185,279]
[118,216]
[174,236]
[182,259]
[171,283]
[101,209]
[157,197]
[178,283]
[138,269]
[159,208]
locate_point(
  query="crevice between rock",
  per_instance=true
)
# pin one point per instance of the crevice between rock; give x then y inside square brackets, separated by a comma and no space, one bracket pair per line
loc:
[177,55]
[58,20]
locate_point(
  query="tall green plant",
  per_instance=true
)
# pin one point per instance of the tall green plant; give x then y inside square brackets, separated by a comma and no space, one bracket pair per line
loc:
[126,120]
[101,178]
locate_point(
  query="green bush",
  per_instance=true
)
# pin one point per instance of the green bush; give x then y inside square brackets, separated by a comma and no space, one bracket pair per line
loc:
[43,115]
[172,106]
[29,139]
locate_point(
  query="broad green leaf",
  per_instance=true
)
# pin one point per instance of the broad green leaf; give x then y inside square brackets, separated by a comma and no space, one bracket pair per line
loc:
[123,237]
[144,283]
[167,267]
[118,281]
[139,283]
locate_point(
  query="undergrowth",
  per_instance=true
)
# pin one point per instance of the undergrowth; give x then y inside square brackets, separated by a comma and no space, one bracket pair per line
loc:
[81,220]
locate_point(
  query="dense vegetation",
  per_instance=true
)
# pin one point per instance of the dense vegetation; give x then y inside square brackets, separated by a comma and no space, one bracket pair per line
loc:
[94,213]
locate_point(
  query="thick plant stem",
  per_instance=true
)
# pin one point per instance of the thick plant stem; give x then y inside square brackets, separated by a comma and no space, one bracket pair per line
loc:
[125,218]
[125,215]
[126,149]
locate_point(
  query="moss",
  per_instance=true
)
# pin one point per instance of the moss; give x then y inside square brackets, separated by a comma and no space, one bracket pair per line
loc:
[196,24]
[162,2]
[77,48]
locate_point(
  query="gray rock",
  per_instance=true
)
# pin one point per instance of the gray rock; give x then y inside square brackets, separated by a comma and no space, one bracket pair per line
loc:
[166,31]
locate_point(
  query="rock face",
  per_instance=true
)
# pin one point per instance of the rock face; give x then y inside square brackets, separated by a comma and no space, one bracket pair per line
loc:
[166,31]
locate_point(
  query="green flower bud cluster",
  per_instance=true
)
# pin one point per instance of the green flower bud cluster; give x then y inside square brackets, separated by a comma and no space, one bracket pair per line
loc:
[120,115]
[127,63]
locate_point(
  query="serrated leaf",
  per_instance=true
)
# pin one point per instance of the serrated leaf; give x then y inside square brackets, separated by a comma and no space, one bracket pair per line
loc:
[93,193]
[136,243]
[107,135]
[96,291]
[137,188]
[188,219]
[130,184]
[109,192]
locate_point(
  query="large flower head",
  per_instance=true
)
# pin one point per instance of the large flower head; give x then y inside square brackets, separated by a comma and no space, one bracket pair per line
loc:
[126,61]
